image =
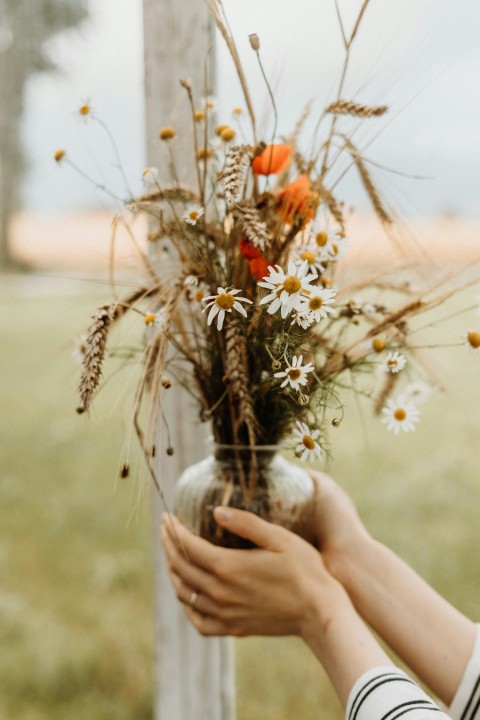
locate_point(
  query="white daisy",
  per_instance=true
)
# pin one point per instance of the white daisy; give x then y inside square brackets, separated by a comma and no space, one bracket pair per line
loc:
[287,290]
[296,374]
[154,321]
[333,247]
[150,176]
[401,414]
[472,339]
[317,305]
[305,443]
[193,214]
[310,253]
[418,391]
[304,320]
[225,301]
[394,362]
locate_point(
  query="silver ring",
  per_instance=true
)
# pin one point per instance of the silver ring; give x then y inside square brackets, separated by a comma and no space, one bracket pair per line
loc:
[193,599]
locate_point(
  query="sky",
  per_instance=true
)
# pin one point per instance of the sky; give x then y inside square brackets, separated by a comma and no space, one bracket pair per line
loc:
[420,57]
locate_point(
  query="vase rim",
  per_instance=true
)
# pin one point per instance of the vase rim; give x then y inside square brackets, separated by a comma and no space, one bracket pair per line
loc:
[267,448]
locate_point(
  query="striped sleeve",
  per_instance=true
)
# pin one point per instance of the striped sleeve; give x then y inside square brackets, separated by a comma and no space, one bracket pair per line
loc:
[387,693]
[466,703]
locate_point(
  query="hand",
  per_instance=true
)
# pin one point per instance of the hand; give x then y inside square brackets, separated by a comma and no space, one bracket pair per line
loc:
[338,531]
[279,588]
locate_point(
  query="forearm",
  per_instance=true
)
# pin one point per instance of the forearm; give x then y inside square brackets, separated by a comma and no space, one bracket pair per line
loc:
[341,641]
[433,638]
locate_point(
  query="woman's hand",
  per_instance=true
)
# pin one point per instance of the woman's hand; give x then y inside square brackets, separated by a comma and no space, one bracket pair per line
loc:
[279,588]
[273,589]
[337,529]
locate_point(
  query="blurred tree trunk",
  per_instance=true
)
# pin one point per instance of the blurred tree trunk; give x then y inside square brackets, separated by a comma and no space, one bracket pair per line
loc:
[194,675]
[25,28]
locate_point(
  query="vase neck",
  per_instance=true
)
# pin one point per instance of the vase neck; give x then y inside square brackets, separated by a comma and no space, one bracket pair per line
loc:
[259,455]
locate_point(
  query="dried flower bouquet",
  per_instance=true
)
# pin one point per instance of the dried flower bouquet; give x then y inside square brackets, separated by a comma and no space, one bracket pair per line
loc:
[247,314]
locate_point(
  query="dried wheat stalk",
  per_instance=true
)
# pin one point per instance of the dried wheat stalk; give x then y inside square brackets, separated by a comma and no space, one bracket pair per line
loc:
[253,226]
[347,107]
[177,193]
[390,382]
[367,182]
[95,344]
[236,163]
[236,377]
[332,203]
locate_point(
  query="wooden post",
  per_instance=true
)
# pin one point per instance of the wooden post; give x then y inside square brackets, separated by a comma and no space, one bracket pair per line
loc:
[194,675]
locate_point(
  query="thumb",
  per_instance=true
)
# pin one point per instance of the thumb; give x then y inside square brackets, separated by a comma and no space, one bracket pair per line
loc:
[249,526]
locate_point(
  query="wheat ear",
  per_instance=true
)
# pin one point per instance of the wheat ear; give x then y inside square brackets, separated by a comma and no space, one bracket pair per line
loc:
[347,107]
[236,162]
[95,344]
[253,226]
[236,377]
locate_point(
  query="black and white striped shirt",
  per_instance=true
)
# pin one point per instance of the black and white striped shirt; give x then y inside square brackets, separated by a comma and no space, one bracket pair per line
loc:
[387,693]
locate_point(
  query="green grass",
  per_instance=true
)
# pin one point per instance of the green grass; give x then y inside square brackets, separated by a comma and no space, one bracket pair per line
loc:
[76,627]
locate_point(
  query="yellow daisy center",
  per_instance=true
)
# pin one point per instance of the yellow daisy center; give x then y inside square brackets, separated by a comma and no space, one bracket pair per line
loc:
[199,295]
[474,339]
[59,154]
[293,373]
[309,442]
[199,115]
[378,344]
[150,318]
[326,282]
[321,238]
[335,249]
[292,284]
[400,414]
[85,109]
[392,362]
[315,303]
[308,256]
[225,301]
[194,215]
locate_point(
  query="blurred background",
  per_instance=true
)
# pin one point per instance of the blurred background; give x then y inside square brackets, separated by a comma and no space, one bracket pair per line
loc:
[76,626]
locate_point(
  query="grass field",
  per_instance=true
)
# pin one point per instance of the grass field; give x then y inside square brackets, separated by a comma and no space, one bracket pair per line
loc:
[75,562]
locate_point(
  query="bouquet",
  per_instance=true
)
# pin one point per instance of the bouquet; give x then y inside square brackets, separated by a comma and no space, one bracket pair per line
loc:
[244,309]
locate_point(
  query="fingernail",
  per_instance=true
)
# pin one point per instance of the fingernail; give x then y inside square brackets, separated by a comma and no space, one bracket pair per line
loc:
[222,513]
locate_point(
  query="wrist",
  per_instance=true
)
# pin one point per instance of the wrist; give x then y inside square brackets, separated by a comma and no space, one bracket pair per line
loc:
[325,599]
[349,561]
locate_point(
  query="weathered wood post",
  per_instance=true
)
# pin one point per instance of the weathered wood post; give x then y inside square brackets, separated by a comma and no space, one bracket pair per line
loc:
[194,675]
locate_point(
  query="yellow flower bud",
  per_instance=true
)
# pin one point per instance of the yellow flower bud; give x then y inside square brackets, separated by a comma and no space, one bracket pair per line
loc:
[167,133]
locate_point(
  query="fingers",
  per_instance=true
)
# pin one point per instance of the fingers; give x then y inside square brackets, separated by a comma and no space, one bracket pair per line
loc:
[199,551]
[250,526]
[207,625]
[192,575]
[203,603]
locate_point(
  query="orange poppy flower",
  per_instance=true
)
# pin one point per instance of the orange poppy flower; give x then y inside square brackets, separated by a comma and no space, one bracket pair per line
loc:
[297,201]
[249,250]
[259,267]
[274,159]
